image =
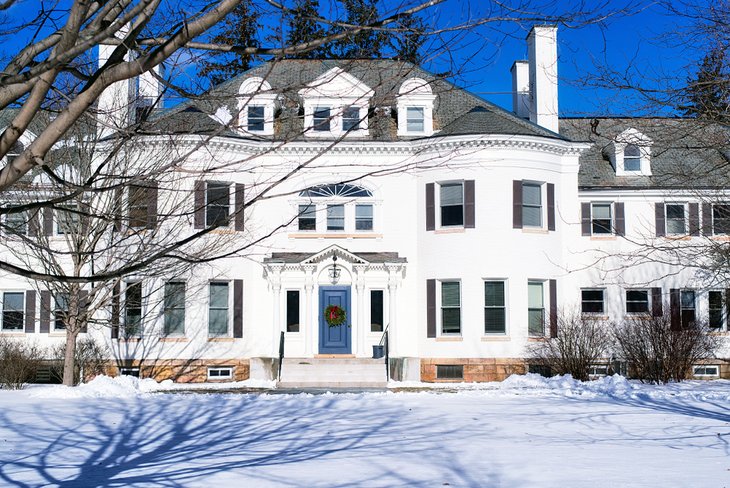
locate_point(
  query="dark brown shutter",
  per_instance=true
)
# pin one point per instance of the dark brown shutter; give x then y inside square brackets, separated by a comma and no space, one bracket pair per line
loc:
[117,205]
[115,312]
[676,322]
[84,217]
[694,219]
[727,304]
[83,308]
[551,206]
[707,219]
[585,219]
[152,191]
[48,221]
[199,211]
[239,202]
[659,219]
[238,309]
[45,312]
[517,204]
[469,204]
[30,311]
[620,224]
[430,207]
[430,308]
[33,223]
[553,285]
[656,302]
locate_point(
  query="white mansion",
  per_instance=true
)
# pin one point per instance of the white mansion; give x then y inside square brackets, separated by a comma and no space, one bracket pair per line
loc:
[371,195]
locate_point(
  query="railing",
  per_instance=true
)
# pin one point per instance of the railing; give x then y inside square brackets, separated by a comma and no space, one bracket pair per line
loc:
[281,354]
[384,342]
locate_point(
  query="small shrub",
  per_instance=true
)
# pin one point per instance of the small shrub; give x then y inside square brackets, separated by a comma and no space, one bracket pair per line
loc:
[90,357]
[19,362]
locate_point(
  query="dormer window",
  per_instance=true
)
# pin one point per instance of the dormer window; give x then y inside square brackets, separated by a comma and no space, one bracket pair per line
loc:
[351,118]
[630,154]
[256,106]
[415,108]
[321,119]
[632,158]
[256,119]
[415,119]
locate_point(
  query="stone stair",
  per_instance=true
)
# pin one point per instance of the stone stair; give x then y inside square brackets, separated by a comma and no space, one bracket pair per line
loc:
[346,372]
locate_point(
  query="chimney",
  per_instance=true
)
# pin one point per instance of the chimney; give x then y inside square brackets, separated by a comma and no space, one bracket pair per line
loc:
[521,89]
[542,50]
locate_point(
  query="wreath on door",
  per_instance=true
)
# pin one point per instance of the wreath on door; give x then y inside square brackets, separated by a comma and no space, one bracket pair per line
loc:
[334,315]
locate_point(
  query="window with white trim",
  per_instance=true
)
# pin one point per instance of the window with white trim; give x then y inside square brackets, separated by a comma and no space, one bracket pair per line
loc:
[341,207]
[687,307]
[321,117]
[351,118]
[637,301]
[415,120]
[256,119]
[307,217]
[531,204]
[67,220]
[721,218]
[60,310]
[451,204]
[592,301]
[336,217]
[16,223]
[292,310]
[535,308]
[450,308]
[495,309]
[676,218]
[706,370]
[716,310]
[220,372]
[174,308]
[129,372]
[415,108]
[256,107]
[13,311]
[133,309]
[218,307]
[632,158]
[217,203]
[601,218]
[363,217]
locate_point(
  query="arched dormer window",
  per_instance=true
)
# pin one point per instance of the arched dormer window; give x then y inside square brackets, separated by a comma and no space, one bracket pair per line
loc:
[415,108]
[630,153]
[336,208]
[256,104]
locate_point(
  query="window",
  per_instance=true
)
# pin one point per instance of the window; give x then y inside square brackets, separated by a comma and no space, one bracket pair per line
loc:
[637,301]
[129,372]
[591,301]
[541,369]
[15,150]
[716,310]
[351,118]
[218,309]
[596,371]
[452,204]
[220,373]
[255,120]
[138,206]
[687,307]
[601,218]
[450,307]
[321,119]
[17,223]
[706,370]
[531,205]
[449,372]
[535,309]
[133,309]
[307,217]
[13,310]
[363,217]
[174,310]
[415,119]
[721,218]
[336,217]
[495,319]
[292,310]
[376,310]
[67,220]
[632,158]
[676,222]
[217,204]
[60,311]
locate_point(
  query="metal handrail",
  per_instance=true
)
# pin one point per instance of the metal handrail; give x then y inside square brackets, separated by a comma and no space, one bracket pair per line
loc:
[281,354]
[384,342]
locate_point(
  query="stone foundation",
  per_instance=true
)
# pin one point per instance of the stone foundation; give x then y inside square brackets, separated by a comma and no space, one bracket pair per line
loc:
[474,370]
[183,371]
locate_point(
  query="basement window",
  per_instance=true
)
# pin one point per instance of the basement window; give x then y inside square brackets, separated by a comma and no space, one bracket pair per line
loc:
[706,371]
[129,372]
[220,373]
[449,372]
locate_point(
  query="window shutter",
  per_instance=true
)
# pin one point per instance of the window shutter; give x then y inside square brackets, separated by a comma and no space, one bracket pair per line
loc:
[585,219]
[115,312]
[517,204]
[240,205]
[656,302]
[659,219]
[727,307]
[83,307]
[84,217]
[30,311]
[551,206]
[553,286]
[152,190]
[694,219]
[45,312]
[469,204]
[237,309]
[675,323]
[33,223]
[48,221]
[707,219]
[117,208]
[199,211]
[620,224]
[430,207]
[430,308]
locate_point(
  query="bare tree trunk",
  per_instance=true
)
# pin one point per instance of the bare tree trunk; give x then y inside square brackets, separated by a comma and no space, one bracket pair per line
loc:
[69,359]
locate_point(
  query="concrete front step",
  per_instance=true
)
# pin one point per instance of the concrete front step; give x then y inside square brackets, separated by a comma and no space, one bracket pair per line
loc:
[346,372]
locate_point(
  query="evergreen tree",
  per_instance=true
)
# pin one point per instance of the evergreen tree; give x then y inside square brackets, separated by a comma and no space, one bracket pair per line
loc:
[303,27]
[366,43]
[240,27]
[708,93]
[408,41]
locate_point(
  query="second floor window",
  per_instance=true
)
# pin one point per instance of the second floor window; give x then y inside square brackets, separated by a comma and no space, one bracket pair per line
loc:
[676,221]
[601,218]
[307,217]
[335,217]
[452,204]
[531,205]
[217,204]
[721,218]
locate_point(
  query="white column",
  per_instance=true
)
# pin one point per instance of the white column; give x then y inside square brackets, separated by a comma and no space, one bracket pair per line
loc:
[360,322]
[308,332]
[392,309]
[275,280]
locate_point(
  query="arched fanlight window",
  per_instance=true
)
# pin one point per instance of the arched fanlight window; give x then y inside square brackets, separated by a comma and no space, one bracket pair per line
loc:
[336,190]
[632,158]
[15,151]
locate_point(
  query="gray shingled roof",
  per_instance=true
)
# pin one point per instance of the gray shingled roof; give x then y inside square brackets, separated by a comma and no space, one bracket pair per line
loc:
[454,112]
[370,257]
[685,152]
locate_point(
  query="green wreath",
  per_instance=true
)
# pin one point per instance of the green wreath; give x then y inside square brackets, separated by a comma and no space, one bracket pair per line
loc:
[334,315]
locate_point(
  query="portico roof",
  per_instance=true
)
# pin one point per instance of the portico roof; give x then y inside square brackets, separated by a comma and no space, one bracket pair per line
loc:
[334,250]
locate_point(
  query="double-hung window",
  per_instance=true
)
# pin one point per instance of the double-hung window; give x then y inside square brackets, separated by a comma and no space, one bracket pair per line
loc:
[351,118]
[495,317]
[601,218]
[138,206]
[218,309]
[637,301]
[13,310]
[716,310]
[415,119]
[687,310]
[307,217]
[217,204]
[632,158]
[67,220]
[676,218]
[591,301]
[255,119]
[450,307]
[336,217]
[363,217]
[174,310]
[17,223]
[535,309]
[531,204]
[60,310]
[721,218]
[321,119]
[452,204]
[133,309]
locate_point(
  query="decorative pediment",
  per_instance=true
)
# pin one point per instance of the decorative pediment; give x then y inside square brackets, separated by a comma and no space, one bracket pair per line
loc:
[334,250]
[336,83]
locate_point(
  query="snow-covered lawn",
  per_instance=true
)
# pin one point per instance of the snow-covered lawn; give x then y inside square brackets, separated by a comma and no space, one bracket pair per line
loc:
[525,432]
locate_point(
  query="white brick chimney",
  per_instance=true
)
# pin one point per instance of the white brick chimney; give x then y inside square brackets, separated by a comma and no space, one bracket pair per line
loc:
[113,105]
[521,89]
[542,50]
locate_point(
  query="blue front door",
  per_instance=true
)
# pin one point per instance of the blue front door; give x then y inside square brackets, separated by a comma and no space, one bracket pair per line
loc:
[337,339]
